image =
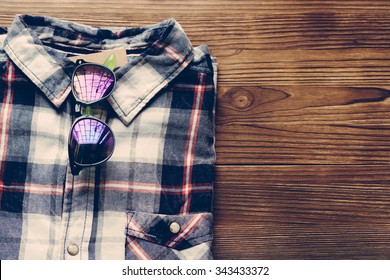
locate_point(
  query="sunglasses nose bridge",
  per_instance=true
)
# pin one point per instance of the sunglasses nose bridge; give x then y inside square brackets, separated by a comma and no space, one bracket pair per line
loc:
[77,108]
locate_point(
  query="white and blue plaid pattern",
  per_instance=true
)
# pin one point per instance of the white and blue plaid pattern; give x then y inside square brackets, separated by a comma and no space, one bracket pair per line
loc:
[162,115]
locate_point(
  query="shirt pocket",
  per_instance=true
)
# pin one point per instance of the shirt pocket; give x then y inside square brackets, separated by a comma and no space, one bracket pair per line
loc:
[158,236]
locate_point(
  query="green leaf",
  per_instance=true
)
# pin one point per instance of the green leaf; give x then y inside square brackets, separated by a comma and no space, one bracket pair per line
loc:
[110,62]
[88,111]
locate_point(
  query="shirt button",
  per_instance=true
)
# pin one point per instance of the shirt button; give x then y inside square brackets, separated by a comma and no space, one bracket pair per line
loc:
[73,249]
[174,227]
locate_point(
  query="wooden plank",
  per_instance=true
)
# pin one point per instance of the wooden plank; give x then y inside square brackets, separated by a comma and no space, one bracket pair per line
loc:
[259,30]
[341,67]
[133,8]
[303,125]
[302,212]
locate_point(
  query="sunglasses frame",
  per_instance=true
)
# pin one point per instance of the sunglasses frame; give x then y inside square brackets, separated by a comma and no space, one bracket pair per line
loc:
[86,64]
[75,166]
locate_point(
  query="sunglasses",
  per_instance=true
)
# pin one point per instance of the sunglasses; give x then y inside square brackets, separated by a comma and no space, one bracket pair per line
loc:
[91,141]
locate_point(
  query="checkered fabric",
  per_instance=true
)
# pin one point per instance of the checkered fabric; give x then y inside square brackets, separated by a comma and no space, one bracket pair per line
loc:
[161,172]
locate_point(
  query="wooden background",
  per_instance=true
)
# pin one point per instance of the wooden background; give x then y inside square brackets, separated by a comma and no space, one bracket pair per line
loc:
[303,117]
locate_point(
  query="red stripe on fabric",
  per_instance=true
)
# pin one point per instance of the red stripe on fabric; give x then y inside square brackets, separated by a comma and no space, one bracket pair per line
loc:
[186,230]
[78,41]
[136,249]
[5,120]
[132,225]
[195,189]
[158,44]
[34,189]
[58,190]
[173,53]
[189,88]
[190,145]
[118,34]
[137,187]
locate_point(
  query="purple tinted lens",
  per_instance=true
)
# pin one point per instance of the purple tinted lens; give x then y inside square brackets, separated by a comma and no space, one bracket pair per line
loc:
[92,82]
[91,142]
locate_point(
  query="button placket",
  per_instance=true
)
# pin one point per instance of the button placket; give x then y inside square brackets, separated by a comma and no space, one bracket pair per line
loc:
[78,217]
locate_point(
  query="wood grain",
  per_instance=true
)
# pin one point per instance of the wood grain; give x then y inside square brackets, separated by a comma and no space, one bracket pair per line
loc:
[303,117]
[341,67]
[303,125]
[305,212]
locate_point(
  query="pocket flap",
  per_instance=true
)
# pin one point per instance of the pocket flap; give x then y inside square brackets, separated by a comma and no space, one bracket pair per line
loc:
[175,231]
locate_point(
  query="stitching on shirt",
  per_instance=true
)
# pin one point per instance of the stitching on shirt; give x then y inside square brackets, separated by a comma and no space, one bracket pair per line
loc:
[195,238]
[137,231]
[143,233]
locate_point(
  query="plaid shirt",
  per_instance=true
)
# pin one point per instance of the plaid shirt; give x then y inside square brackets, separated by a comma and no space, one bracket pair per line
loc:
[153,198]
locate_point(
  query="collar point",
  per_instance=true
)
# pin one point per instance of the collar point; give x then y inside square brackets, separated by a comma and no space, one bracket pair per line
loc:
[60,98]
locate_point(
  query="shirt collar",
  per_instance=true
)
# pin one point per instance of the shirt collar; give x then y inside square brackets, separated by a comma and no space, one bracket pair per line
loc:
[166,51]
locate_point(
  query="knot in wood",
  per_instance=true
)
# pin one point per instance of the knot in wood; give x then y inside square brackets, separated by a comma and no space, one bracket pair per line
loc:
[241,99]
